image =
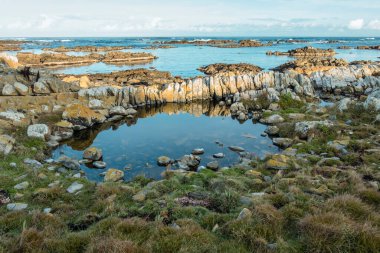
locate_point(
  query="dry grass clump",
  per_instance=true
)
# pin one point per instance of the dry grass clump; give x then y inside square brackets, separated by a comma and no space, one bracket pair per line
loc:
[9,61]
[334,232]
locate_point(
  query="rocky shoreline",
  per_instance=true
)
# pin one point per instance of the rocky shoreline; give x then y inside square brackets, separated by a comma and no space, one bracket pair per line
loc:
[60,59]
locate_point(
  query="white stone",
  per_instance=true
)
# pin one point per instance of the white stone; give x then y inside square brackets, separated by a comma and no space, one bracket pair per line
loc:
[38,131]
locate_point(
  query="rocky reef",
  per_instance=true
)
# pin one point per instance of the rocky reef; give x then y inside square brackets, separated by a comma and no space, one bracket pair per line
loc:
[89,49]
[10,45]
[219,43]
[230,69]
[305,52]
[368,47]
[61,59]
[309,65]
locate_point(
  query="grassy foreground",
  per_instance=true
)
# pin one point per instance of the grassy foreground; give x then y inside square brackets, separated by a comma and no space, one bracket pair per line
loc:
[314,205]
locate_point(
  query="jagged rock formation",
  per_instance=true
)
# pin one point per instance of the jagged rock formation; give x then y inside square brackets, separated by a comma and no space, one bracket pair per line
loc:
[230,69]
[305,52]
[89,49]
[60,59]
[310,65]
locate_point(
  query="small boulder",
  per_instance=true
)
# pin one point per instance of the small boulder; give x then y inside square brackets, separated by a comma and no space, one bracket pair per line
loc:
[100,164]
[282,142]
[22,89]
[189,162]
[113,175]
[74,187]
[118,110]
[236,148]
[273,119]
[82,115]
[218,155]
[21,186]
[245,213]
[214,165]
[163,161]
[38,131]
[6,144]
[16,206]
[198,151]
[9,90]
[272,130]
[41,88]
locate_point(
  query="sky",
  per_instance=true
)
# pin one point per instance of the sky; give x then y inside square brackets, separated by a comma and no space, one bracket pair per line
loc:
[124,18]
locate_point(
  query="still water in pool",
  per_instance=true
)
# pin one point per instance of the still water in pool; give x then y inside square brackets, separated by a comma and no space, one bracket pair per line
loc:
[172,131]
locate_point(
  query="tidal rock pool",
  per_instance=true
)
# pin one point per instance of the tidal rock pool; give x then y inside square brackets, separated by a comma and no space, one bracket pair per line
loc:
[133,145]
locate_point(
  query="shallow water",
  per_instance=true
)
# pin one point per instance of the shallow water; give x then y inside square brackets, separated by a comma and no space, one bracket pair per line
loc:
[173,131]
[185,59]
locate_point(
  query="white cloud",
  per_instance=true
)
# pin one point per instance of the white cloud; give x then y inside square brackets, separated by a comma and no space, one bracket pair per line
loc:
[356,24]
[374,24]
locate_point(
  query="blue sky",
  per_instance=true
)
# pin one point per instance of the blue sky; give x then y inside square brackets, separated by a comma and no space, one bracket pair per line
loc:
[24,18]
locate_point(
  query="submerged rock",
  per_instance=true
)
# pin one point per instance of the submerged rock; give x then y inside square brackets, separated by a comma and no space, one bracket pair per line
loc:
[69,163]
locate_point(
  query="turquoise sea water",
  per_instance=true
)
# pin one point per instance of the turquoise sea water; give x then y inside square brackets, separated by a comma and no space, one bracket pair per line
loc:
[183,60]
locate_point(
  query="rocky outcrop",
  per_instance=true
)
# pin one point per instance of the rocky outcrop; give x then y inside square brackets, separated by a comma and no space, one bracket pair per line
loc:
[123,78]
[305,52]
[368,47]
[89,49]
[309,65]
[61,59]
[25,81]
[82,116]
[352,79]
[230,69]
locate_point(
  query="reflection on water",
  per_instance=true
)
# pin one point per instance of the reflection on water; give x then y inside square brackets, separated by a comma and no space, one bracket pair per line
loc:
[172,130]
